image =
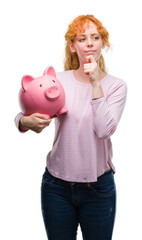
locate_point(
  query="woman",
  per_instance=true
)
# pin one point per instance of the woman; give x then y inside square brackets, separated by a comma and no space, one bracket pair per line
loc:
[78,184]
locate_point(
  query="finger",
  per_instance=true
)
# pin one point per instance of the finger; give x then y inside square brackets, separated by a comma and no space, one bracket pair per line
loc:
[42,116]
[86,65]
[86,70]
[90,58]
[45,122]
[42,127]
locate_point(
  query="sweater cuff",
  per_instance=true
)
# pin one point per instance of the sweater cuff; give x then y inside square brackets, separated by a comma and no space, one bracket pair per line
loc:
[17,119]
[94,100]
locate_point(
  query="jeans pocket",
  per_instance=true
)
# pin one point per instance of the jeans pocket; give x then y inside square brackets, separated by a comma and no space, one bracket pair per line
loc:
[105,187]
[46,182]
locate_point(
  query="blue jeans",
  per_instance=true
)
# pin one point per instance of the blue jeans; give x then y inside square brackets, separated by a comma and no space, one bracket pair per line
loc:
[65,205]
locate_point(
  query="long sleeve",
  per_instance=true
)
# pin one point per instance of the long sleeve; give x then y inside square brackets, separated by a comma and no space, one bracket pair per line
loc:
[107,110]
[17,119]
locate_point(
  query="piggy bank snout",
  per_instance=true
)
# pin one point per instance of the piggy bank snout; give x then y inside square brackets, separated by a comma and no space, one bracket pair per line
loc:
[52,92]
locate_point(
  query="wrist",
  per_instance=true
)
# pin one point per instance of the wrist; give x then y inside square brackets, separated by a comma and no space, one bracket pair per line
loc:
[96,84]
[22,124]
[97,91]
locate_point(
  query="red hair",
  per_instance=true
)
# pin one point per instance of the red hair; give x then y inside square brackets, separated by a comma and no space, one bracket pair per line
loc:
[78,26]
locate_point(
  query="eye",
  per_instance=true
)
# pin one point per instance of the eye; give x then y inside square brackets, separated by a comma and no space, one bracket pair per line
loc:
[40,85]
[96,37]
[53,81]
[81,40]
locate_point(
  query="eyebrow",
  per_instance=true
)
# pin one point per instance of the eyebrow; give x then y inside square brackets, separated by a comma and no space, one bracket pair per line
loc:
[85,35]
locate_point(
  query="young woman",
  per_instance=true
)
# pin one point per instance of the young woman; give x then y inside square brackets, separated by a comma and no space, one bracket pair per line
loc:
[78,184]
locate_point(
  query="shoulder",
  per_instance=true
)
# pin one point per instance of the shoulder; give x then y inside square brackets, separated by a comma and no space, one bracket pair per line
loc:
[65,78]
[115,80]
[114,83]
[62,76]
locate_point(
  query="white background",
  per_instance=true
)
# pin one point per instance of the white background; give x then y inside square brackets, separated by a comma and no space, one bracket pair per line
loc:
[32,38]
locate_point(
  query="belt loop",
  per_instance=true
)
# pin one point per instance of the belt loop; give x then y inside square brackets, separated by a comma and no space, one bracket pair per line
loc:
[72,183]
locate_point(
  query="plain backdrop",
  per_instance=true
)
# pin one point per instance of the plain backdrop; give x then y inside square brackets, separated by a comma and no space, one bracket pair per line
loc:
[32,38]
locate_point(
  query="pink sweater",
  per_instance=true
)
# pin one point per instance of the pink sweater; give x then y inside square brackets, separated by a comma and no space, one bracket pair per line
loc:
[82,148]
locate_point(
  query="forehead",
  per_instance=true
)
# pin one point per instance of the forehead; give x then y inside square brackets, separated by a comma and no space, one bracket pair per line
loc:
[88,28]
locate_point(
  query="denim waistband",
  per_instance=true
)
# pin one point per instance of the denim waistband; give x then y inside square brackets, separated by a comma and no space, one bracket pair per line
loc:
[100,178]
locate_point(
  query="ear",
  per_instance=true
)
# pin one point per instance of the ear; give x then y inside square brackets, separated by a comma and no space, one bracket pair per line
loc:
[50,71]
[103,45]
[72,47]
[26,80]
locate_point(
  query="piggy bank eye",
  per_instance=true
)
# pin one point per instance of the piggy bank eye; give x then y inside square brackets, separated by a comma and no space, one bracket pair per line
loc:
[40,85]
[53,80]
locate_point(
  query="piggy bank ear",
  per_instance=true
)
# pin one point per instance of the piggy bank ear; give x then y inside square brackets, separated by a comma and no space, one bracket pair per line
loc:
[49,71]
[26,80]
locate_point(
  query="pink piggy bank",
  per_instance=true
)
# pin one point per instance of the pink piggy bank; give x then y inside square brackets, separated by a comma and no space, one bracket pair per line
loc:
[43,94]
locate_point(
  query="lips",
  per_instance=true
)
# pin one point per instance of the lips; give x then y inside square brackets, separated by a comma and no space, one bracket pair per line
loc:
[90,51]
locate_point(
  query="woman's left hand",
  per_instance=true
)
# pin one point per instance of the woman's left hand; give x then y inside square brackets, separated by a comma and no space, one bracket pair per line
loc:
[92,69]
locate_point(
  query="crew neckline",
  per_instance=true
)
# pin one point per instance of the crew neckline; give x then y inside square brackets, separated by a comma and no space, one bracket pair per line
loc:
[87,84]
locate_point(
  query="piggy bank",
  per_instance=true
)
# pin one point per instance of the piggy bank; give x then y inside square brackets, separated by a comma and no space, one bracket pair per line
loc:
[43,94]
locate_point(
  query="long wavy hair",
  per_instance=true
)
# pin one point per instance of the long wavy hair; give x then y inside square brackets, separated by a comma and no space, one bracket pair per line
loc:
[71,60]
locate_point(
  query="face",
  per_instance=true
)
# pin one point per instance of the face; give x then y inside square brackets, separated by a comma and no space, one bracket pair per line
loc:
[87,43]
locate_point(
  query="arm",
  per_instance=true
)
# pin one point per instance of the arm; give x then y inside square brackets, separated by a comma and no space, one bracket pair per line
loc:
[17,121]
[107,111]
[35,122]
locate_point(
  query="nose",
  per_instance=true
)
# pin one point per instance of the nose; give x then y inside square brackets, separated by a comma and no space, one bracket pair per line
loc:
[52,93]
[89,42]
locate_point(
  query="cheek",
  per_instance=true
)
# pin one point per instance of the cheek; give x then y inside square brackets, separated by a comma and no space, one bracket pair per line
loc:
[99,45]
[99,48]
[80,52]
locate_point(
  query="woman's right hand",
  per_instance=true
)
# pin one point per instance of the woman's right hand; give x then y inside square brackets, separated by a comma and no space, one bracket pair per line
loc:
[35,122]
